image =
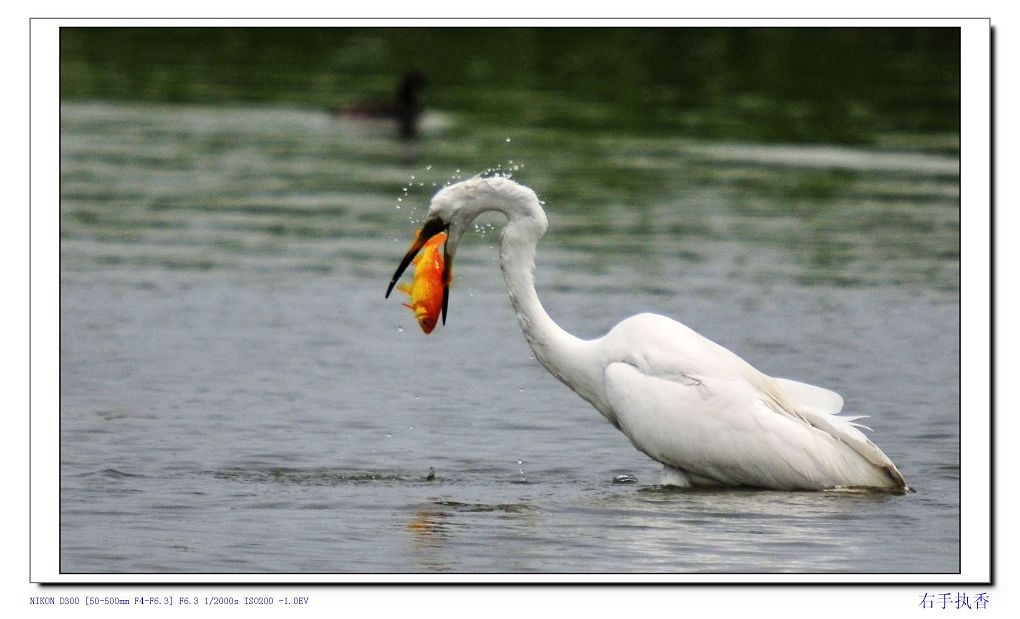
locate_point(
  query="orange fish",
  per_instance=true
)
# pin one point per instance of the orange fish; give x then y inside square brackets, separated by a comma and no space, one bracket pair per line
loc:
[426,290]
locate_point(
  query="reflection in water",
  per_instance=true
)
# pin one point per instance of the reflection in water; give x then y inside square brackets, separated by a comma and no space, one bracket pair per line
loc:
[428,529]
[436,548]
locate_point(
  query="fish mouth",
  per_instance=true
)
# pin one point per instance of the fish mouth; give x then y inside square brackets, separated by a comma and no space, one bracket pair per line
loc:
[429,229]
[427,324]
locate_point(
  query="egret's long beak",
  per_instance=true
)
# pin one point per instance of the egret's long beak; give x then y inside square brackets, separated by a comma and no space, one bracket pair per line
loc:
[447,278]
[429,229]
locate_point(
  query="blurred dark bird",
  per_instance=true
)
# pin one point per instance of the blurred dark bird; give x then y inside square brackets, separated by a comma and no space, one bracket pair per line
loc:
[406,108]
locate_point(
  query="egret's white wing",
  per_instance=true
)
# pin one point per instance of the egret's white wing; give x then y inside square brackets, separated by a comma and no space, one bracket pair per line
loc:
[724,429]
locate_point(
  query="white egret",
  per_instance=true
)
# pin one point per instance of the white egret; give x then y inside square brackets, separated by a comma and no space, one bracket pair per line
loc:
[707,415]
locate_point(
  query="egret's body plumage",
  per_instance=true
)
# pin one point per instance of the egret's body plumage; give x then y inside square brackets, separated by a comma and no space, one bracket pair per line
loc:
[706,414]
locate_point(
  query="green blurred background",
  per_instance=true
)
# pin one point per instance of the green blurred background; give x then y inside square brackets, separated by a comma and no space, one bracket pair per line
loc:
[837,85]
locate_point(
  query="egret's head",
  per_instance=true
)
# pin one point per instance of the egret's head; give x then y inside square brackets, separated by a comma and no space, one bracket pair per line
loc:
[454,207]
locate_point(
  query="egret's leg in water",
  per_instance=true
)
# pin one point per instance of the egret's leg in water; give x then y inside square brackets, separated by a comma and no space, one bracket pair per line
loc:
[674,477]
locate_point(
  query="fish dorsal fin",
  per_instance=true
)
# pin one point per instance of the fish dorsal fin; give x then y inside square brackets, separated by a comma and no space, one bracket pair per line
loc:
[803,395]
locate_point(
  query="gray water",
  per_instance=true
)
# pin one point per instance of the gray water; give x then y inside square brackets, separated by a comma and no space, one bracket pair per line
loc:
[237,396]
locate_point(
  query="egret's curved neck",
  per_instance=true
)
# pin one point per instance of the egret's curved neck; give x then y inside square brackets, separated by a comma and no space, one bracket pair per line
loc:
[517,261]
[574,361]
[554,348]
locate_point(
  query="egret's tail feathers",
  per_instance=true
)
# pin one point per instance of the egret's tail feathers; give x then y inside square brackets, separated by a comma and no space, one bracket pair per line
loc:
[803,395]
[844,429]
[852,420]
[819,407]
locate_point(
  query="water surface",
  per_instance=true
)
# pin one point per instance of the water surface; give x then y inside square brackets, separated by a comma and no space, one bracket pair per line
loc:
[237,396]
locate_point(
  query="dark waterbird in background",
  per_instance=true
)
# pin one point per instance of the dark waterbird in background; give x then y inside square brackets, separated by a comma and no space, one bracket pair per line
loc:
[706,414]
[405,109]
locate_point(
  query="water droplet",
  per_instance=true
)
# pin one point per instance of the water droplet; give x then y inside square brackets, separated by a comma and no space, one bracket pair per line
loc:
[412,177]
[400,329]
[508,140]
[388,435]
[428,167]
[521,390]
[624,479]
[400,199]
